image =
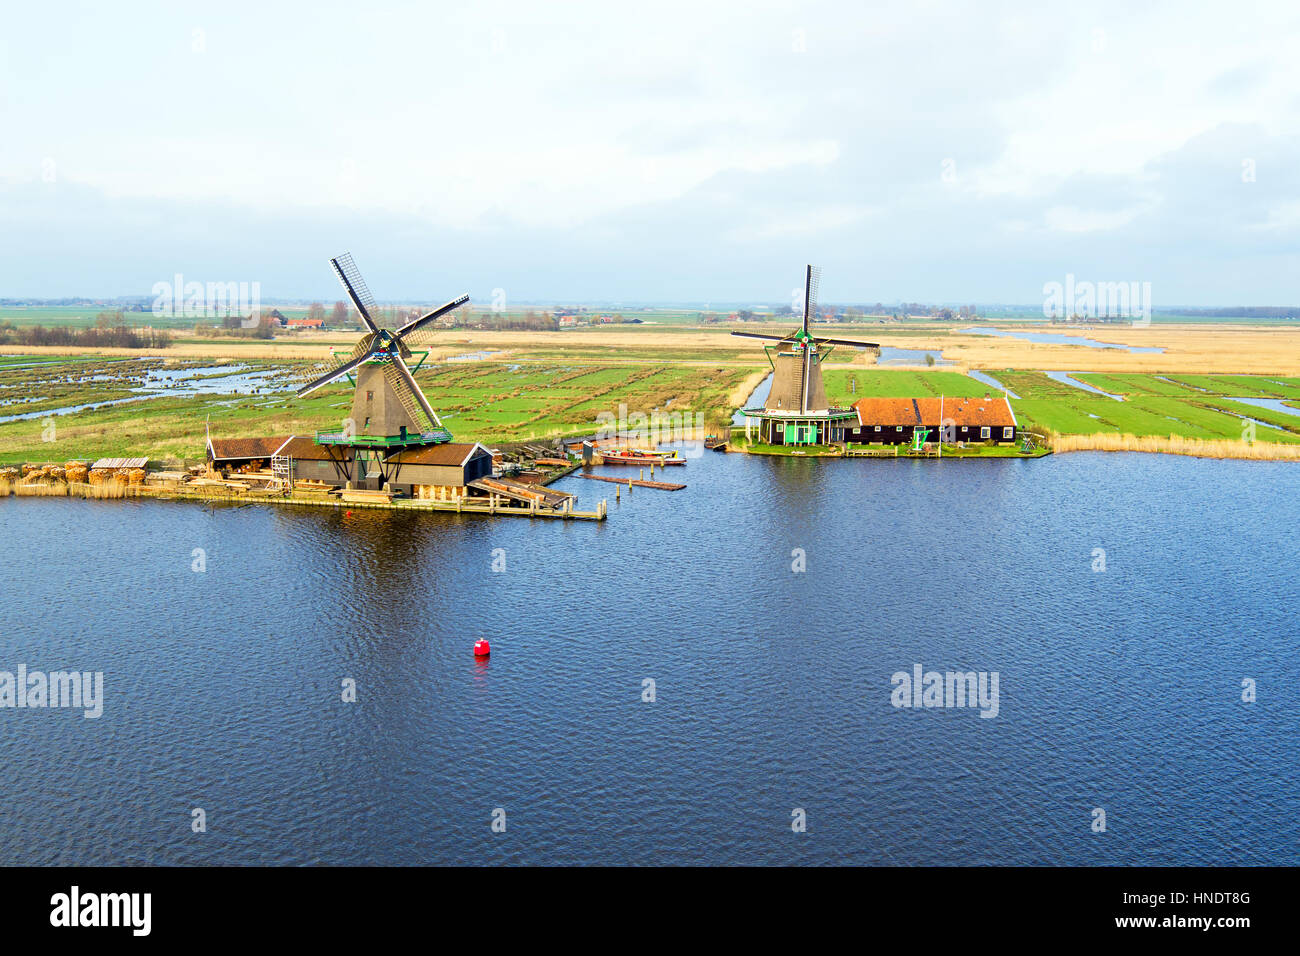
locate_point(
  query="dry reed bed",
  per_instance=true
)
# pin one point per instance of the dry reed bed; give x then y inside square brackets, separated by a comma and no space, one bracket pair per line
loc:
[56,488]
[1176,445]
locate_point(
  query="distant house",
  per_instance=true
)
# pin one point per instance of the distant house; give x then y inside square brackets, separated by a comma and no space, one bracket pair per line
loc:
[567,321]
[892,421]
[306,323]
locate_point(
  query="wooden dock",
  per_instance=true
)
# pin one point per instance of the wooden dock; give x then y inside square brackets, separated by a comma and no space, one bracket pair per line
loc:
[466,505]
[523,493]
[637,482]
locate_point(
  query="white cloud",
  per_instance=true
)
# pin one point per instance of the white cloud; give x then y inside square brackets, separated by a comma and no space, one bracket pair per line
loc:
[690,130]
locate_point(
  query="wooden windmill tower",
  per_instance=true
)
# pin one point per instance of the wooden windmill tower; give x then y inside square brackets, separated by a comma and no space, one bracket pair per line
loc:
[796,411]
[389,412]
[387,404]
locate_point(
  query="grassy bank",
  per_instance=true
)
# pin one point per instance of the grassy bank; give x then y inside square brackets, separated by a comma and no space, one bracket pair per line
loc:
[484,401]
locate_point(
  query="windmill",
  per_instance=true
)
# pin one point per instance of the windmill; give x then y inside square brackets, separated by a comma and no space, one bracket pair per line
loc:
[796,411]
[387,406]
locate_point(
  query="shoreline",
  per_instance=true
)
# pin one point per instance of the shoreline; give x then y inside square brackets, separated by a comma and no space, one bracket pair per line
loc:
[1175,445]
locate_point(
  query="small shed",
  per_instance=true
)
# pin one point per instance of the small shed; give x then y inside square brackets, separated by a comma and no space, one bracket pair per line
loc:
[439,471]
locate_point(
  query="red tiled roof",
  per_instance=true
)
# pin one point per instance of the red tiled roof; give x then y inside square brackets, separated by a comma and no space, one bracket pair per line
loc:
[933,411]
[888,411]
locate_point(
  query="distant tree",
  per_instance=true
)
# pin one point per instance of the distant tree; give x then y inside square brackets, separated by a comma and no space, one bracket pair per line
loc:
[929,359]
[316,311]
[339,317]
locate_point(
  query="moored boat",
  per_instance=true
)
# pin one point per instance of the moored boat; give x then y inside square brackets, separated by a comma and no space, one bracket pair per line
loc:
[633,456]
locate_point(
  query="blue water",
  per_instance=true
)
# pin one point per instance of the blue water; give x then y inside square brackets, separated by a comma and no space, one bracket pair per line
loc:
[1067,378]
[1058,338]
[986,379]
[1119,689]
[1272,404]
[889,355]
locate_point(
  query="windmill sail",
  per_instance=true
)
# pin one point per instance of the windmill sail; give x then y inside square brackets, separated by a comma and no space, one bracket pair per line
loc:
[431,316]
[402,382]
[338,372]
[357,289]
[812,284]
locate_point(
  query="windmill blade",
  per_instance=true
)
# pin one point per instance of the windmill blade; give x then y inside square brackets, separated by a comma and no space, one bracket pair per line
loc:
[862,345]
[426,333]
[812,283]
[761,335]
[357,289]
[424,320]
[412,399]
[335,373]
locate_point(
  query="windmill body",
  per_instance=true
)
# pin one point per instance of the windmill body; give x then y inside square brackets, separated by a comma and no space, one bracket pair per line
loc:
[376,408]
[392,433]
[796,410]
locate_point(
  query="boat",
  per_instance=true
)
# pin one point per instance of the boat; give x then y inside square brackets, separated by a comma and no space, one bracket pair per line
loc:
[636,456]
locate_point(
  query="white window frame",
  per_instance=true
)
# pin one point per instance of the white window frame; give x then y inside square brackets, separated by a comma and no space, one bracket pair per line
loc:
[1008,432]
[984,431]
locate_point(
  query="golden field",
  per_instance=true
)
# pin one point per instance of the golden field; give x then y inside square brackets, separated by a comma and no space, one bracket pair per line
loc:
[1207,349]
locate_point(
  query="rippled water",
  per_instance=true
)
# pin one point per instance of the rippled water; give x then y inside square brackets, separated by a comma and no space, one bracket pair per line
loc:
[1119,689]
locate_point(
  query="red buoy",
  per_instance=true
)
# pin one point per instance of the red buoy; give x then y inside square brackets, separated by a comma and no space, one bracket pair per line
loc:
[482,648]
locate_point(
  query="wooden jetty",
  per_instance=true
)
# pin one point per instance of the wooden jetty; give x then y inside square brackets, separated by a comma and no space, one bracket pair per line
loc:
[495,504]
[522,492]
[637,482]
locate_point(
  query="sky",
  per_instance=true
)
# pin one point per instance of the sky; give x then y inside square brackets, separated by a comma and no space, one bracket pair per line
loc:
[671,152]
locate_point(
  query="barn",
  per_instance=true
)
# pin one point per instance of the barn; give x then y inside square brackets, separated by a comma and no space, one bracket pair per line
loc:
[893,421]
[432,471]
[438,471]
[236,454]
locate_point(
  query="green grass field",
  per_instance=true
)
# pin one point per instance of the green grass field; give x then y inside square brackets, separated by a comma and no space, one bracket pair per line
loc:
[489,402]
[846,386]
[537,394]
[1193,406]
